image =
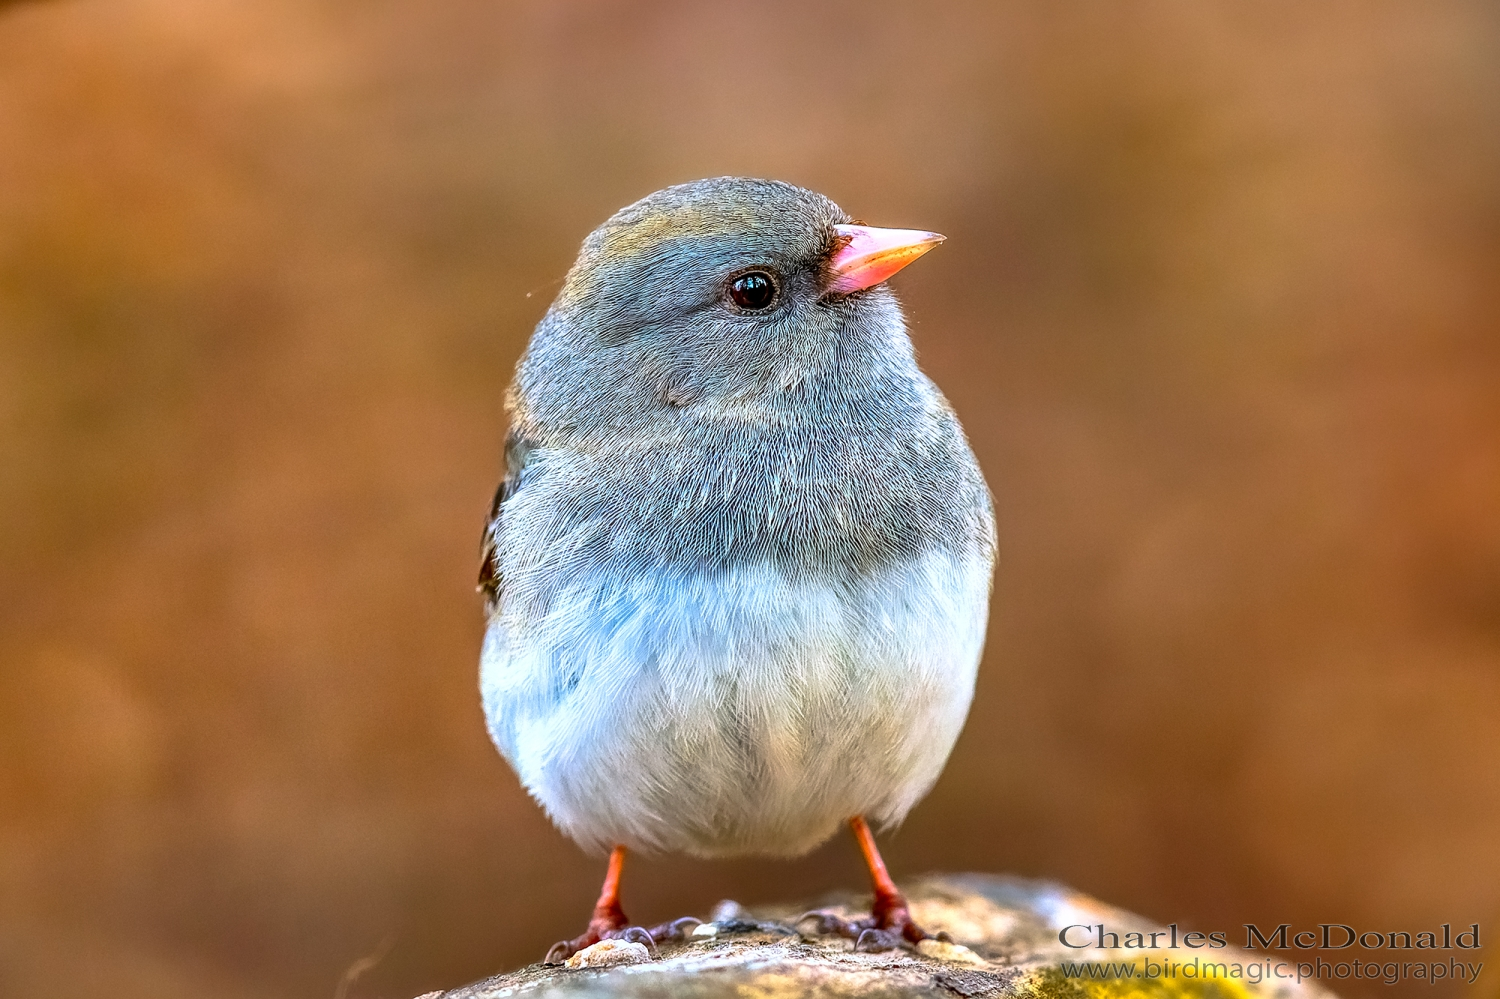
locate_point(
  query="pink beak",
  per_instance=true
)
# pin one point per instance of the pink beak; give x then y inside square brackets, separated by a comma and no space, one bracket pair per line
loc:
[868,255]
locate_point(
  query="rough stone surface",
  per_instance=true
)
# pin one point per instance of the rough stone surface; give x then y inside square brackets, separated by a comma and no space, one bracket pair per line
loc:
[1004,944]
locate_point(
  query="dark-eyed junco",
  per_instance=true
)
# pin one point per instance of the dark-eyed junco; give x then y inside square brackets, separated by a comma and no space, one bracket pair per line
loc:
[739,568]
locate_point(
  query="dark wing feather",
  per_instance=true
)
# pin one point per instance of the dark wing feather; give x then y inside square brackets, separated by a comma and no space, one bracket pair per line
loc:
[517,448]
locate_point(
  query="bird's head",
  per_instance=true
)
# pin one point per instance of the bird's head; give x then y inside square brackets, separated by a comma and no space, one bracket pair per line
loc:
[718,293]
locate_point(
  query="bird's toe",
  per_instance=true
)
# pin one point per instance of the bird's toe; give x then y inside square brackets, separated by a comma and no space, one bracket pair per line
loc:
[634,934]
[826,921]
[564,949]
[873,940]
[676,929]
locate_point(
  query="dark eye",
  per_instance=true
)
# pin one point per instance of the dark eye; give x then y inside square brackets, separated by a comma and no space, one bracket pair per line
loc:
[754,290]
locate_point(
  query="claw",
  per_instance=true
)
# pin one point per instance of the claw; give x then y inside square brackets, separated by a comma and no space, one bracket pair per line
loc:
[677,929]
[831,922]
[636,934]
[823,922]
[872,941]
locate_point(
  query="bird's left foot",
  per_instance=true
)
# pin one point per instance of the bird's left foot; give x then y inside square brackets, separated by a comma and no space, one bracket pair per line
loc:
[887,927]
[889,924]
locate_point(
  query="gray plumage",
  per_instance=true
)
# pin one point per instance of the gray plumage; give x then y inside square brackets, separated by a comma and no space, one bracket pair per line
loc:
[738,571]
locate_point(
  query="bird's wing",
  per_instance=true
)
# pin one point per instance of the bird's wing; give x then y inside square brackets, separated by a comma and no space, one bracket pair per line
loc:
[517,448]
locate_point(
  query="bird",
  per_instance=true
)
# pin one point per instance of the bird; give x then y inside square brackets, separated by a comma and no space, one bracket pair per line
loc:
[737,573]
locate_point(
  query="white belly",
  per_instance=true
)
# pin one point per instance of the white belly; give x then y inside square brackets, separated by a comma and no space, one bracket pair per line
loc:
[735,714]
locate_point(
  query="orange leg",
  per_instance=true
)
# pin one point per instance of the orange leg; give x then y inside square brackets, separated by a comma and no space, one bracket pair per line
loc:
[890,912]
[608,915]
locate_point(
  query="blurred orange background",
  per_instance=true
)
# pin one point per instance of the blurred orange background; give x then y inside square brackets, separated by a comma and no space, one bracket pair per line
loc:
[1220,309]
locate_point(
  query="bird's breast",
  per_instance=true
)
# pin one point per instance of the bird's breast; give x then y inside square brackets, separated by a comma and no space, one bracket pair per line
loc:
[736,711]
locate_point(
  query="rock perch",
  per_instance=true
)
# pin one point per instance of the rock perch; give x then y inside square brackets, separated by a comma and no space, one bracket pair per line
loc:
[1004,933]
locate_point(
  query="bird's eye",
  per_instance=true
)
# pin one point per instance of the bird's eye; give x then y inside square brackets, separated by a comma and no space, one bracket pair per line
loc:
[754,290]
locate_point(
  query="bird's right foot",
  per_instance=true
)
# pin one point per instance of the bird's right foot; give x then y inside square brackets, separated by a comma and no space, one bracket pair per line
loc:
[612,929]
[602,927]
